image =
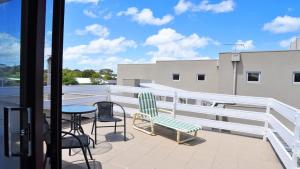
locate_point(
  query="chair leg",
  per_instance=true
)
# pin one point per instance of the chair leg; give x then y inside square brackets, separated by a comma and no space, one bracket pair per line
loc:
[70,152]
[125,138]
[88,148]
[85,157]
[95,132]
[178,137]
[152,128]
[46,159]
[136,117]
[115,127]
[93,127]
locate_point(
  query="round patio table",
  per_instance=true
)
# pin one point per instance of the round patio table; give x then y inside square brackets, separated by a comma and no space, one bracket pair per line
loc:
[76,111]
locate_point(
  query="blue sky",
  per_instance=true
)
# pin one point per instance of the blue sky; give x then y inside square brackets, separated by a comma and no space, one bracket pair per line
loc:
[103,33]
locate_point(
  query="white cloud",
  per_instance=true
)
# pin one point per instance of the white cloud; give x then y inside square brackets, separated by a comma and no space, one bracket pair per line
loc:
[172,45]
[183,6]
[94,29]
[90,13]
[107,16]
[243,45]
[222,7]
[83,1]
[145,16]
[283,24]
[98,53]
[47,51]
[287,42]
[99,47]
[9,49]
[49,33]
[107,62]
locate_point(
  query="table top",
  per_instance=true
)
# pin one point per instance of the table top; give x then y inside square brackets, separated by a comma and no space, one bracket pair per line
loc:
[78,109]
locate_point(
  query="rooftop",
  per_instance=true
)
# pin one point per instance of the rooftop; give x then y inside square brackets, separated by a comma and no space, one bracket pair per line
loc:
[256,132]
[211,150]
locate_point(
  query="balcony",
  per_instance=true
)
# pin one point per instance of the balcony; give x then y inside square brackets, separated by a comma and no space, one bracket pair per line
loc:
[238,131]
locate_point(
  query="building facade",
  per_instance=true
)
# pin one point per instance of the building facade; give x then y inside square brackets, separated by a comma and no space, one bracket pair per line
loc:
[273,74]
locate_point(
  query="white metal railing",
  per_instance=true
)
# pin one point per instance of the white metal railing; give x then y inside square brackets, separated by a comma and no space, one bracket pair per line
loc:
[284,139]
[272,129]
[281,137]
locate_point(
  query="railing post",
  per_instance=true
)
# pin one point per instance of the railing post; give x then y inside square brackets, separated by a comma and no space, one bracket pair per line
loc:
[267,121]
[108,93]
[296,148]
[174,104]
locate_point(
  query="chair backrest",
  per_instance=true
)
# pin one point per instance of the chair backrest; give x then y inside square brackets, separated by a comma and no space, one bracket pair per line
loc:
[46,131]
[147,104]
[105,109]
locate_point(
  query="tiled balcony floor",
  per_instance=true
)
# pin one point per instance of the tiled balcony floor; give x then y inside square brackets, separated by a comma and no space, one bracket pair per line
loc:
[212,150]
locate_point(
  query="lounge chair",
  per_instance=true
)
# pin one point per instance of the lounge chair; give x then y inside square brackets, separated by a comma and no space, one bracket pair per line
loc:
[149,112]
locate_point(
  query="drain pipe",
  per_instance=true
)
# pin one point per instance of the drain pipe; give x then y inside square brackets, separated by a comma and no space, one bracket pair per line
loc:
[235,58]
[234,78]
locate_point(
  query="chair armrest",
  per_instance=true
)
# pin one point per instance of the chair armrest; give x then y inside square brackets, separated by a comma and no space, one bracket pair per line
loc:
[145,115]
[121,108]
[166,111]
[73,135]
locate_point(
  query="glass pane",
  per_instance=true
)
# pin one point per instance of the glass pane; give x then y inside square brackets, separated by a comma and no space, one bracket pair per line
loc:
[296,77]
[175,76]
[47,78]
[253,77]
[201,77]
[10,30]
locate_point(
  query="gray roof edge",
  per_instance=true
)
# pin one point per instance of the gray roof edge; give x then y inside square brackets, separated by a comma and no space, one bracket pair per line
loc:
[263,51]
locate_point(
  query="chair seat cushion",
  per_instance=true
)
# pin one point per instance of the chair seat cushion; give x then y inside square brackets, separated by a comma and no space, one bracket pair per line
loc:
[72,142]
[108,119]
[178,125]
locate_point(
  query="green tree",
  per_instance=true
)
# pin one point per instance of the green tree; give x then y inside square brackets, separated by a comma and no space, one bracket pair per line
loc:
[77,73]
[106,77]
[106,72]
[88,73]
[69,77]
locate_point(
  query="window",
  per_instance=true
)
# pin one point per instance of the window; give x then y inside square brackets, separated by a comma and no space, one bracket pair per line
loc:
[296,78]
[176,76]
[201,77]
[253,76]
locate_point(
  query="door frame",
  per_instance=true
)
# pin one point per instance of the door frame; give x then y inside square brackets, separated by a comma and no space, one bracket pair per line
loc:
[33,16]
[56,82]
[32,68]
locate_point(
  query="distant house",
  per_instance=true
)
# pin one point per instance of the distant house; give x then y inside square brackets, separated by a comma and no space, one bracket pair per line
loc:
[274,74]
[110,82]
[83,81]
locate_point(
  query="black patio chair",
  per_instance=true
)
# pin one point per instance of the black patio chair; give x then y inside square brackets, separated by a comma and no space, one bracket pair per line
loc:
[68,141]
[105,113]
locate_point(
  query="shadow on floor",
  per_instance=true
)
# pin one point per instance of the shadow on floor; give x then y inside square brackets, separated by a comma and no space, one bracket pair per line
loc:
[81,165]
[171,134]
[100,148]
[118,136]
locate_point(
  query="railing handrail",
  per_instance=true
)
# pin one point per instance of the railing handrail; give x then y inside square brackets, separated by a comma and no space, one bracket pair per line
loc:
[291,138]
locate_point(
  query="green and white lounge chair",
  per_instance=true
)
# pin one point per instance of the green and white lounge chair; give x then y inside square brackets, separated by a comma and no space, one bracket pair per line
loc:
[149,112]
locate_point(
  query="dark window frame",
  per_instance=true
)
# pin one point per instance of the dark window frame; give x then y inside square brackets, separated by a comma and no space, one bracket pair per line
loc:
[294,77]
[253,81]
[176,74]
[201,74]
